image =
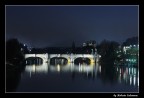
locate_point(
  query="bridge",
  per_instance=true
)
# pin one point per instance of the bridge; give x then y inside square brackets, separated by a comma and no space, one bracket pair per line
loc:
[44,57]
[70,57]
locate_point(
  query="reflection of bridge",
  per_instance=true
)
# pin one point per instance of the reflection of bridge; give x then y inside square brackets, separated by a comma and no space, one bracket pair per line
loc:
[45,68]
[70,57]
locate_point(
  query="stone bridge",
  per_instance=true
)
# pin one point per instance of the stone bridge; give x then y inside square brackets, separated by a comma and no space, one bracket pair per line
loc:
[70,57]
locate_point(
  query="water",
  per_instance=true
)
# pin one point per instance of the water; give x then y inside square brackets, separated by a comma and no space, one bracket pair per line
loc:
[78,78]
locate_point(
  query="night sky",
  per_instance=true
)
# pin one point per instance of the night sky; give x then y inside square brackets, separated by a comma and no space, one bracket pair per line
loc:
[42,26]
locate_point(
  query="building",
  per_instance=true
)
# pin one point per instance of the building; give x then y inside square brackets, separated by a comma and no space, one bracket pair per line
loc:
[89,43]
[131,53]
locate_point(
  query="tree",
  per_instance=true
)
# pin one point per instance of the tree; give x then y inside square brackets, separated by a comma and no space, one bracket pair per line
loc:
[103,47]
[131,41]
[13,50]
[107,49]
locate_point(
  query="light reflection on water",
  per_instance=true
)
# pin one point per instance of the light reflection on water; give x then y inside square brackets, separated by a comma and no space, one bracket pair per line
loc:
[127,75]
[45,68]
[78,78]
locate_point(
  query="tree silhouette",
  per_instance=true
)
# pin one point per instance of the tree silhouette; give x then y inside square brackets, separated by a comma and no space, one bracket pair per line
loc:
[131,41]
[107,49]
[14,57]
[13,51]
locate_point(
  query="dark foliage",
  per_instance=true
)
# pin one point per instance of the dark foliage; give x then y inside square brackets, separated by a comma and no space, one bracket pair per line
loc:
[131,41]
[107,50]
[13,51]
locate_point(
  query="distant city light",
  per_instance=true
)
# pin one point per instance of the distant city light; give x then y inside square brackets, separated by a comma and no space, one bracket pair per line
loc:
[24,45]
[134,45]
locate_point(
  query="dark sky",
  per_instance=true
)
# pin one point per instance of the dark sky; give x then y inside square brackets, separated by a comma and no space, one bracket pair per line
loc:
[41,26]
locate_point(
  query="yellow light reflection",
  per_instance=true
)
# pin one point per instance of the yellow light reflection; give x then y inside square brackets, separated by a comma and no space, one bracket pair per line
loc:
[80,68]
[69,61]
[58,68]
[92,61]
[34,68]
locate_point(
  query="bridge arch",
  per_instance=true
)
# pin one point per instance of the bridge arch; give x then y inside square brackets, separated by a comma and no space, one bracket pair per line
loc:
[44,57]
[33,60]
[88,58]
[66,56]
[58,60]
[81,60]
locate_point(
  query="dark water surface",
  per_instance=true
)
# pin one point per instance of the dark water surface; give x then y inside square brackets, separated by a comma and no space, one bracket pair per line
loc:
[77,78]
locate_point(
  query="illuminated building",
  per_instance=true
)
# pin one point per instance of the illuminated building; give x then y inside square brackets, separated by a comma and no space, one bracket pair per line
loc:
[90,43]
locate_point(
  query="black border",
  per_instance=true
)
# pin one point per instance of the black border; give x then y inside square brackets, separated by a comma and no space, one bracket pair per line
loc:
[53,2]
